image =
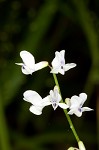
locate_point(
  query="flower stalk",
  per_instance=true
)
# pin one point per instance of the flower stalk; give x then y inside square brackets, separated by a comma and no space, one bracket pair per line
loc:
[65,111]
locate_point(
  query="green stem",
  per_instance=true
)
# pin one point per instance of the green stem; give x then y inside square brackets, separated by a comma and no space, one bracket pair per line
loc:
[4,140]
[65,111]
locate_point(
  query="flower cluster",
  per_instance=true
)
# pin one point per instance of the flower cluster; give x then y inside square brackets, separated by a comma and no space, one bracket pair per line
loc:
[74,104]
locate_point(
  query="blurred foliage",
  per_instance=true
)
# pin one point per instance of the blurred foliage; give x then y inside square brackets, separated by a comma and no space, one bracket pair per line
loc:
[43,27]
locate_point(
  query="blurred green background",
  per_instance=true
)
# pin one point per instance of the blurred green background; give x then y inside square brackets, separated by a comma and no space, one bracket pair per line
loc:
[43,27]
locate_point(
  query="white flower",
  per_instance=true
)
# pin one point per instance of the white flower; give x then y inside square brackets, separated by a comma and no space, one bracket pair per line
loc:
[55,99]
[36,100]
[76,103]
[28,65]
[38,103]
[58,63]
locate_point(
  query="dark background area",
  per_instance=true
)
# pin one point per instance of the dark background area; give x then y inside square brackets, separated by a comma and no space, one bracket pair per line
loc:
[43,27]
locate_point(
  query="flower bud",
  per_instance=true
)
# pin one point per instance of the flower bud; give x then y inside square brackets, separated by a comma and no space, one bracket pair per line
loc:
[81,145]
[73,148]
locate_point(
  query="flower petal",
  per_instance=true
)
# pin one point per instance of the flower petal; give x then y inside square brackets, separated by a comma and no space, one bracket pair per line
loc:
[28,59]
[76,112]
[83,96]
[55,97]
[20,64]
[26,70]
[68,66]
[36,110]
[60,56]
[46,101]
[86,109]
[71,112]
[61,71]
[41,65]
[74,102]
[54,70]
[55,63]
[32,97]
[62,53]
[62,105]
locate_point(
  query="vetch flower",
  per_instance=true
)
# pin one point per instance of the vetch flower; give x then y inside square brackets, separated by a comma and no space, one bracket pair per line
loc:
[38,103]
[55,99]
[58,63]
[36,100]
[29,66]
[76,103]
